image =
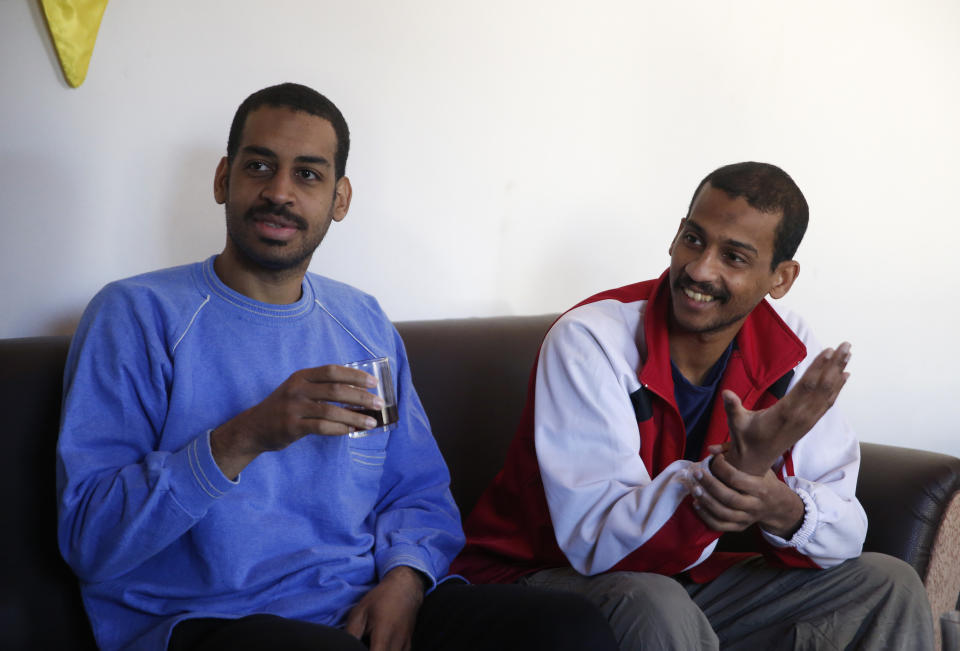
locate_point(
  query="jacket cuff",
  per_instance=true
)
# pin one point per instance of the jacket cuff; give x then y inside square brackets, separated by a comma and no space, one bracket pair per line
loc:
[803,534]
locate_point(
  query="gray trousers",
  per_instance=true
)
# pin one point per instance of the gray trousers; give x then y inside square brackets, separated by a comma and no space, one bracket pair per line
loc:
[872,602]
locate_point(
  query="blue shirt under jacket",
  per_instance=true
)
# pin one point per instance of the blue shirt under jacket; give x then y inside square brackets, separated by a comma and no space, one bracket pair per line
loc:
[148,522]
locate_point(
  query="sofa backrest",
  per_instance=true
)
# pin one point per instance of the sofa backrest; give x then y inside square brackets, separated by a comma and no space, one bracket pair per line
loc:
[471,375]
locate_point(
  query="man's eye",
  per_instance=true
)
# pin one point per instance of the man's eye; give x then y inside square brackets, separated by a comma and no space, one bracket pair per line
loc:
[690,238]
[735,258]
[256,166]
[308,175]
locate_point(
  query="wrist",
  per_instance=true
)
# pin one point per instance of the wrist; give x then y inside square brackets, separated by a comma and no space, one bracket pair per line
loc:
[786,521]
[230,449]
[417,582]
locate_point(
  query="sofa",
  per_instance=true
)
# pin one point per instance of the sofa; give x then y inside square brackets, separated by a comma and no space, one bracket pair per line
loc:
[471,375]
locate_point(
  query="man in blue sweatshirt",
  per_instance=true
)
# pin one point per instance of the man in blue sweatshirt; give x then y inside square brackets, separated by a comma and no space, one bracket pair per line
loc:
[210,495]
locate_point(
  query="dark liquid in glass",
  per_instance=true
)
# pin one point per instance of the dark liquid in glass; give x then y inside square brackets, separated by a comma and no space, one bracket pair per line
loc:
[386,416]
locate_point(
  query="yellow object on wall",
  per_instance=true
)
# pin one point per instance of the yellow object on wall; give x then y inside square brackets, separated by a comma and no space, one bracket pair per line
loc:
[74,25]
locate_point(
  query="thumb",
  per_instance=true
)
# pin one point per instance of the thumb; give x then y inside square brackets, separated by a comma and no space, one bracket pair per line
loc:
[733,407]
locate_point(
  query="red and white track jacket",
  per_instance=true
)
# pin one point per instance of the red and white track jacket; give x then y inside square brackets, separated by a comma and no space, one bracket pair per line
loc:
[591,477]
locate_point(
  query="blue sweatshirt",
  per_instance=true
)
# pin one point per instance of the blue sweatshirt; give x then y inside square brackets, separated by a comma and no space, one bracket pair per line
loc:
[153,529]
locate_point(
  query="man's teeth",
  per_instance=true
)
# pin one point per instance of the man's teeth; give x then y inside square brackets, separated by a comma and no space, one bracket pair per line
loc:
[697,296]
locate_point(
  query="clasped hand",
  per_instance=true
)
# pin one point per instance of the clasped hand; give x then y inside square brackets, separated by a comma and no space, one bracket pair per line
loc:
[728,499]
[386,616]
[742,489]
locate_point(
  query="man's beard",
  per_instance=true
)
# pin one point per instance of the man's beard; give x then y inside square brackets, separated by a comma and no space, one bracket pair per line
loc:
[285,256]
[719,294]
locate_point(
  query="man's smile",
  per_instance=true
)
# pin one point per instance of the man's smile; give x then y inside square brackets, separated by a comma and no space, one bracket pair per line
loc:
[697,296]
[702,293]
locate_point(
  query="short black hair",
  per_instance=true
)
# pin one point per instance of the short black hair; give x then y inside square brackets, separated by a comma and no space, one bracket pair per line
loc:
[768,189]
[296,97]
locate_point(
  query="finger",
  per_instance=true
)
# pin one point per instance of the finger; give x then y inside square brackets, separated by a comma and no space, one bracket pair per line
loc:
[342,393]
[385,642]
[713,491]
[811,377]
[335,373]
[731,476]
[831,377]
[329,419]
[357,621]
[718,448]
[756,495]
[388,636]
[712,521]
[723,502]
[721,517]
[820,385]
[734,408]
[826,367]
[722,471]
[378,641]
[753,487]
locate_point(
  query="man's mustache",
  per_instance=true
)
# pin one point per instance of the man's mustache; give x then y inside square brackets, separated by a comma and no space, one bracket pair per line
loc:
[263,212]
[685,282]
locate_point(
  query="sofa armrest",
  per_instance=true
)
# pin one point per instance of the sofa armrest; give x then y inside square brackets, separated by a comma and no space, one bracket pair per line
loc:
[40,605]
[912,499]
[906,493]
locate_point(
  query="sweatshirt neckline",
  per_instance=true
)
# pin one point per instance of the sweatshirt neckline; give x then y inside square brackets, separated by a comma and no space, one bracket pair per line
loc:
[218,289]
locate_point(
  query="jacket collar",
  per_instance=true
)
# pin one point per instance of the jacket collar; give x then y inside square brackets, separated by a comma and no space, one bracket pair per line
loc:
[765,345]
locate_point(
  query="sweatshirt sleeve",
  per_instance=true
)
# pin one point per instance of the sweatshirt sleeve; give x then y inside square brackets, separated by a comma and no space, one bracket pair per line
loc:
[120,499]
[603,503]
[822,469]
[418,524]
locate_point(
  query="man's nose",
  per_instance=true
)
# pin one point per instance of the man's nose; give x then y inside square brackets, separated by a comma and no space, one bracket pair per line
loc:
[278,189]
[705,267]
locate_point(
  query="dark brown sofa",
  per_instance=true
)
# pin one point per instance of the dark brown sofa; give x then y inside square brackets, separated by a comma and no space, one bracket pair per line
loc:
[471,375]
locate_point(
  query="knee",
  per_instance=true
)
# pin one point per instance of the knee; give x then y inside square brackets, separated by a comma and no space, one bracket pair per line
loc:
[652,611]
[891,574]
[644,594]
[888,569]
[562,621]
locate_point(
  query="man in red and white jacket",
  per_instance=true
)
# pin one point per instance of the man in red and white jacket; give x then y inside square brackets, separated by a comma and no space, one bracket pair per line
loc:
[664,414]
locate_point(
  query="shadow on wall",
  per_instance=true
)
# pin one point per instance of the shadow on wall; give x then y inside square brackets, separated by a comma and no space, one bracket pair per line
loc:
[194,222]
[63,325]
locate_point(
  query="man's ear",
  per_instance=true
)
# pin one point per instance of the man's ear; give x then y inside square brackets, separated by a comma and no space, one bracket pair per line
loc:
[341,198]
[783,277]
[220,181]
[673,242]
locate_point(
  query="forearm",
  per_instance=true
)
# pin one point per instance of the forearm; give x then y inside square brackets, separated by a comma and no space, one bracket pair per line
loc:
[647,526]
[111,520]
[121,499]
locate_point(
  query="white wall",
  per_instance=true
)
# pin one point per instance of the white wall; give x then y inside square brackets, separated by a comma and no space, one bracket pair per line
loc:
[513,157]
